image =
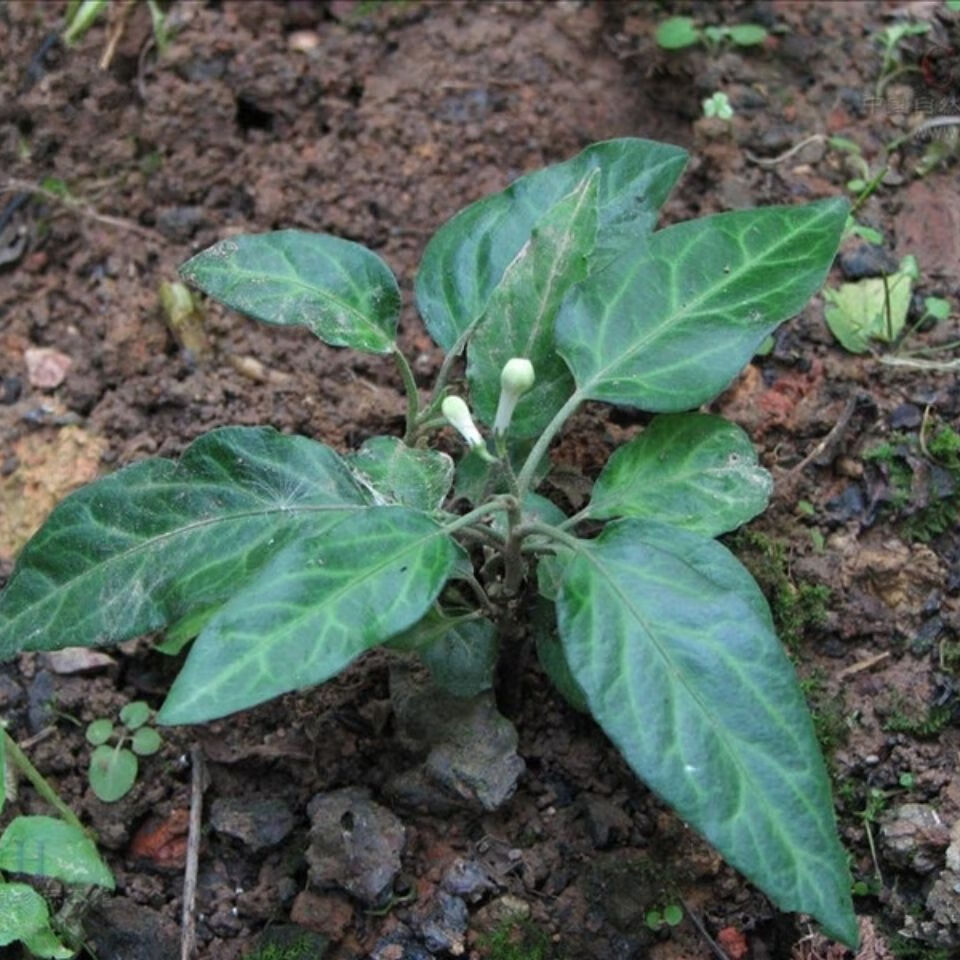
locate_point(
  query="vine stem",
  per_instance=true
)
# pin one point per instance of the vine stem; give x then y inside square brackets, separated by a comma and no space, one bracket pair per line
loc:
[543,443]
[500,503]
[38,780]
[413,397]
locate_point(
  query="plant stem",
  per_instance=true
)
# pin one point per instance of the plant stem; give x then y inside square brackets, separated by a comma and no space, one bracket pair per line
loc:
[413,397]
[575,519]
[543,443]
[512,559]
[451,358]
[498,503]
[39,782]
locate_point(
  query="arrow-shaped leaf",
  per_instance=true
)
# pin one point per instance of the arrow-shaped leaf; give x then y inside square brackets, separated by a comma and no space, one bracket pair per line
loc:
[692,470]
[666,326]
[466,259]
[338,289]
[153,542]
[520,315]
[47,847]
[315,607]
[673,646]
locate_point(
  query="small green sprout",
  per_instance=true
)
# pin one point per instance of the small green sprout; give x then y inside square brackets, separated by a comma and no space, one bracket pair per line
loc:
[718,105]
[113,769]
[678,33]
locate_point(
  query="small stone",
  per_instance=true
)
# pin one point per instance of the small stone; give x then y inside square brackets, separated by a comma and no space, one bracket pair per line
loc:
[180,223]
[848,467]
[258,823]
[123,930]
[355,844]
[606,822]
[905,417]
[326,913]
[46,368]
[867,260]
[467,879]
[303,40]
[442,923]
[914,836]
[505,909]
[10,390]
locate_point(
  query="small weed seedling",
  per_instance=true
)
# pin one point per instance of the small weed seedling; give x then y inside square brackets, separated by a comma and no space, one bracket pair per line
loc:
[113,768]
[890,40]
[680,32]
[718,105]
[670,916]
[283,561]
[40,846]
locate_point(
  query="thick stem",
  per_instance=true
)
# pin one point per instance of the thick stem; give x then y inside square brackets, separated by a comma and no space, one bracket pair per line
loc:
[543,443]
[512,558]
[413,397]
[39,782]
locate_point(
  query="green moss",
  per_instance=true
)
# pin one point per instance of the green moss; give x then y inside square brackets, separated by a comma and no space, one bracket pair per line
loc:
[516,938]
[929,724]
[829,717]
[796,605]
[904,948]
[923,480]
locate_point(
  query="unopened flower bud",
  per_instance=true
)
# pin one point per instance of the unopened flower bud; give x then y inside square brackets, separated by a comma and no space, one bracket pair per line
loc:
[458,416]
[516,378]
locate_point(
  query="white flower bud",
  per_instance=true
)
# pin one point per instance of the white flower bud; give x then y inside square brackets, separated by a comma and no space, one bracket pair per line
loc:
[516,378]
[458,416]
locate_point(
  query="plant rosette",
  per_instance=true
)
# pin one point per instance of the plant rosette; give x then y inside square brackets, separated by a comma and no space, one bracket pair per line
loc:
[281,561]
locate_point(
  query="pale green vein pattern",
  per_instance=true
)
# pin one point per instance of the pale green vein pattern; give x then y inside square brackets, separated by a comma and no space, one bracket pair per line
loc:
[315,607]
[24,916]
[673,646]
[692,470]
[466,258]
[151,543]
[48,847]
[401,474]
[667,325]
[520,316]
[338,289]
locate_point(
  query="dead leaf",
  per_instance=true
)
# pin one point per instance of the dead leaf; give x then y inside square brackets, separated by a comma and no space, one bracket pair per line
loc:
[77,660]
[51,465]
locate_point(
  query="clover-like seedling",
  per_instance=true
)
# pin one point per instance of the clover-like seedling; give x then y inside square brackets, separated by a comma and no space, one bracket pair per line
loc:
[718,105]
[281,560]
[114,767]
[677,33]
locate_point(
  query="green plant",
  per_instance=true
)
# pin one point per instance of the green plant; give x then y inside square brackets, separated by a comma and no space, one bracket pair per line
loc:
[516,938]
[40,846]
[890,40]
[923,479]
[82,14]
[680,32]
[287,561]
[670,916]
[718,105]
[874,309]
[113,769]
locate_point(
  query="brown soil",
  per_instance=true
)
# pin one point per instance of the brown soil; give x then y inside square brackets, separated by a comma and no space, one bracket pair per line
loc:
[376,122]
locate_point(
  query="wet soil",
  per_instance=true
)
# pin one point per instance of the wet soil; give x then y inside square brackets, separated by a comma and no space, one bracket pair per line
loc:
[377,122]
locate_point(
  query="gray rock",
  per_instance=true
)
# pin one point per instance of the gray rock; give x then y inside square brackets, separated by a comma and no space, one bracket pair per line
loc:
[468,879]
[258,822]
[123,930]
[471,749]
[867,260]
[915,837]
[441,924]
[355,844]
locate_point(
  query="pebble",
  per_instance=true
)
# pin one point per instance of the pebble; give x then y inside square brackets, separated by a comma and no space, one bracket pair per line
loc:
[905,417]
[257,822]
[867,260]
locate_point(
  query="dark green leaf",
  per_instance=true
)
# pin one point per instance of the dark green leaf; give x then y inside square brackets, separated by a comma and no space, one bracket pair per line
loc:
[667,326]
[460,652]
[3,771]
[673,646]
[520,315]
[400,474]
[158,540]
[112,772]
[466,259]
[135,714]
[692,470]
[552,658]
[24,916]
[315,607]
[99,732]
[476,478]
[47,847]
[340,290]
